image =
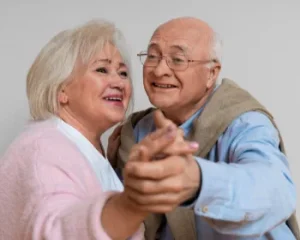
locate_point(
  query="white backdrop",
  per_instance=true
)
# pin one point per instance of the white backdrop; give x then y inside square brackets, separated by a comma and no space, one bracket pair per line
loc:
[261,50]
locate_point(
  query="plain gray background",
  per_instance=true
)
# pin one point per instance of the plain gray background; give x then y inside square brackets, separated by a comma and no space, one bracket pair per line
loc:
[261,50]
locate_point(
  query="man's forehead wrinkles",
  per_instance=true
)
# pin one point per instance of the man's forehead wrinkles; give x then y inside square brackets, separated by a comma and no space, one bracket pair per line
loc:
[193,40]
[191,36]
[180,42]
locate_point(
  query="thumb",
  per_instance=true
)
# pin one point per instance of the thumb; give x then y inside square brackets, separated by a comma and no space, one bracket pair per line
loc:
[160,120]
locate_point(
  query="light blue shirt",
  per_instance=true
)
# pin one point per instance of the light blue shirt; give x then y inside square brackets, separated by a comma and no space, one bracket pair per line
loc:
[247,191]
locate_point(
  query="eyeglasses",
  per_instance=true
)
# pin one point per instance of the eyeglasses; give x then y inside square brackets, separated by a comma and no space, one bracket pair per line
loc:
[177,62]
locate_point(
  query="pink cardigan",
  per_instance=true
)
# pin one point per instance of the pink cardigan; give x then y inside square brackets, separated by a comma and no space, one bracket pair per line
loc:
[48,190]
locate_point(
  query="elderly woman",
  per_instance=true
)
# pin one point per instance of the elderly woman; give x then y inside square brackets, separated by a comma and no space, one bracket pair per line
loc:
[55,180]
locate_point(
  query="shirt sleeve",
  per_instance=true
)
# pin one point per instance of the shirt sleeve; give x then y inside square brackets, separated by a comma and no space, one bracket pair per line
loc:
[254,192]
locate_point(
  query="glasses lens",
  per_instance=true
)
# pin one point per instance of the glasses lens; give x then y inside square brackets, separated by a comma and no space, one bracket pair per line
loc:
[150,60]
[143,58]
[177,62]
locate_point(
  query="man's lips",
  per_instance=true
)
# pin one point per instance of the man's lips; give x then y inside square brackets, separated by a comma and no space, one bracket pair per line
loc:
[165,86]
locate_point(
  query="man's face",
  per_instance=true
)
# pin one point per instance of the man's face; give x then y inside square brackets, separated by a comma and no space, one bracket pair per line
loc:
[171,89]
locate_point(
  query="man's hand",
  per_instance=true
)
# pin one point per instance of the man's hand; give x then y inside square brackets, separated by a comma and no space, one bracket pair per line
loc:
[160,186]
[113,145]
[160,122]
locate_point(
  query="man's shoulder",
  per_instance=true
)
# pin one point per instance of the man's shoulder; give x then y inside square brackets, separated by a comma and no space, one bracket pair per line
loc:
[140,116]
[145,119]
[252,118]
[253,125]
[141,122]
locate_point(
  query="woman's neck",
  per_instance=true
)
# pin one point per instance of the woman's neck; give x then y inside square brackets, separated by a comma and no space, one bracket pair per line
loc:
[89,132]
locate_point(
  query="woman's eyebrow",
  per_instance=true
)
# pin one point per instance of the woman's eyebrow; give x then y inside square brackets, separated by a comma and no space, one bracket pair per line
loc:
[108,61]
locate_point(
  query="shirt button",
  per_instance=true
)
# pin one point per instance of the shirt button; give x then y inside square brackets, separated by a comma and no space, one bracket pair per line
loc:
[205,209]
[246,218]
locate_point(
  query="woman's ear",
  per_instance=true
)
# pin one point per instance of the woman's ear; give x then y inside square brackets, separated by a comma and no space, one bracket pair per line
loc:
[62,96]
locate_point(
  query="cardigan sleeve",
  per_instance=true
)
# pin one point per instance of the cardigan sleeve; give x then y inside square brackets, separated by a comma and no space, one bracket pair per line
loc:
[56,202]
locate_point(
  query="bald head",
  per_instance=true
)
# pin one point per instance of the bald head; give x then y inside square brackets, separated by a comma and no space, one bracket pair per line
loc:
[185,24]
[195,32]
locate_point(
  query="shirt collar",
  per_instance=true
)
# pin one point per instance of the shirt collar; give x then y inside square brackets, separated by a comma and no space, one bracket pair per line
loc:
[186,126]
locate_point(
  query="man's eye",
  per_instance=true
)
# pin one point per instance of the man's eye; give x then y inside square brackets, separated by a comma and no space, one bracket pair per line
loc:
[178,60]
[102,70]
[152,56]
[124,74]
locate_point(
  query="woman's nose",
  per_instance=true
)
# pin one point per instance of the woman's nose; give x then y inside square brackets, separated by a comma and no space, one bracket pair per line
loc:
[116,81]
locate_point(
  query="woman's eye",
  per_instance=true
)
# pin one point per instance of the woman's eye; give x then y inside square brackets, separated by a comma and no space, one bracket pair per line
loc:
[101,70]
[124,74]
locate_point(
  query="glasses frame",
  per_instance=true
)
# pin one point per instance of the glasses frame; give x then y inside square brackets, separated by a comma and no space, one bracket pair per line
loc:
[144,53]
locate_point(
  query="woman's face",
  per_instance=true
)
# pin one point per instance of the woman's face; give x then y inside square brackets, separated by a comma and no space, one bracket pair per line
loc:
[99,97]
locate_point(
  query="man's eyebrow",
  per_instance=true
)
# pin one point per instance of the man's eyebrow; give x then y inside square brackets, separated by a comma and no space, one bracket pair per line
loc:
[181,48]
[153,45]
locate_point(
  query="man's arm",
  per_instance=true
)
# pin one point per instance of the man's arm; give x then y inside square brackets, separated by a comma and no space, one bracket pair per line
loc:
[254,192]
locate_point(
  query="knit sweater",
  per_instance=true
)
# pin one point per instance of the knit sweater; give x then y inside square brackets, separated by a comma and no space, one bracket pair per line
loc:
[48,189]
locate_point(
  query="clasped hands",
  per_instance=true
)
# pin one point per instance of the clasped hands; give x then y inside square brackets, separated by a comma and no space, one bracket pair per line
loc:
[161,172]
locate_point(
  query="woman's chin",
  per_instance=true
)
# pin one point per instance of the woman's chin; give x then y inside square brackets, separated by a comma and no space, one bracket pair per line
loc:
[117,118]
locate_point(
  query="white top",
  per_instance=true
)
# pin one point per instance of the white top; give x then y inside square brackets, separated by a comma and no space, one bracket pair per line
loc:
[101,166]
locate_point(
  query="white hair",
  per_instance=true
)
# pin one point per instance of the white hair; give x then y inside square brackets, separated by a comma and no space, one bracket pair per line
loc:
[216,51]
[58,60]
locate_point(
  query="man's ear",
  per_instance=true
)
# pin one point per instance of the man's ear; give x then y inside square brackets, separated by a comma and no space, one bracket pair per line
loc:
[213,75]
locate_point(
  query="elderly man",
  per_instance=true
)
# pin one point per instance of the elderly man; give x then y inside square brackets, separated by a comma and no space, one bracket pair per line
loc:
[237,185]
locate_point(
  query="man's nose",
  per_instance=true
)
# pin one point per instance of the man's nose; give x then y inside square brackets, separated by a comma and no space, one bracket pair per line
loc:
[162,69]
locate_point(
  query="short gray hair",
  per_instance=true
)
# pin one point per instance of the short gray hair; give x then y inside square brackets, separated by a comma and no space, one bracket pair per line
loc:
[217,44]
[57,60]
[215,51]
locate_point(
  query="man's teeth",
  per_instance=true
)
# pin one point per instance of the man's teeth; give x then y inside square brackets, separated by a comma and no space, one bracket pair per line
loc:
[113,99]
[163,85]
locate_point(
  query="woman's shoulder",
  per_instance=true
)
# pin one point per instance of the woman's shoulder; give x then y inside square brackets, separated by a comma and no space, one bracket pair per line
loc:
[38,136]
[43,150]
[35,132]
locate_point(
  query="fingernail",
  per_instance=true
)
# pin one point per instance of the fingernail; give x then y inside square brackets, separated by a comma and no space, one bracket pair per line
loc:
[170,128]
[171,134]
[194,145]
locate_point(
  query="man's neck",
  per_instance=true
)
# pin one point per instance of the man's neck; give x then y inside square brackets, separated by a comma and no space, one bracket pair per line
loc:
[181,115]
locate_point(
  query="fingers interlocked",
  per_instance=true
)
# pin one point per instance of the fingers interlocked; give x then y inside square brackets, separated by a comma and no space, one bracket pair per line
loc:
[160,185]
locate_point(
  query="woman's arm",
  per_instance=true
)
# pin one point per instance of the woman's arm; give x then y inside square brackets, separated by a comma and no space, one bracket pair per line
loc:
[117,211]
[61,200]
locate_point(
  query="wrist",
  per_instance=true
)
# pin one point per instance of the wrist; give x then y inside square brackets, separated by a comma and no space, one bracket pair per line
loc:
[128,208]
[196,179]
[116,213]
